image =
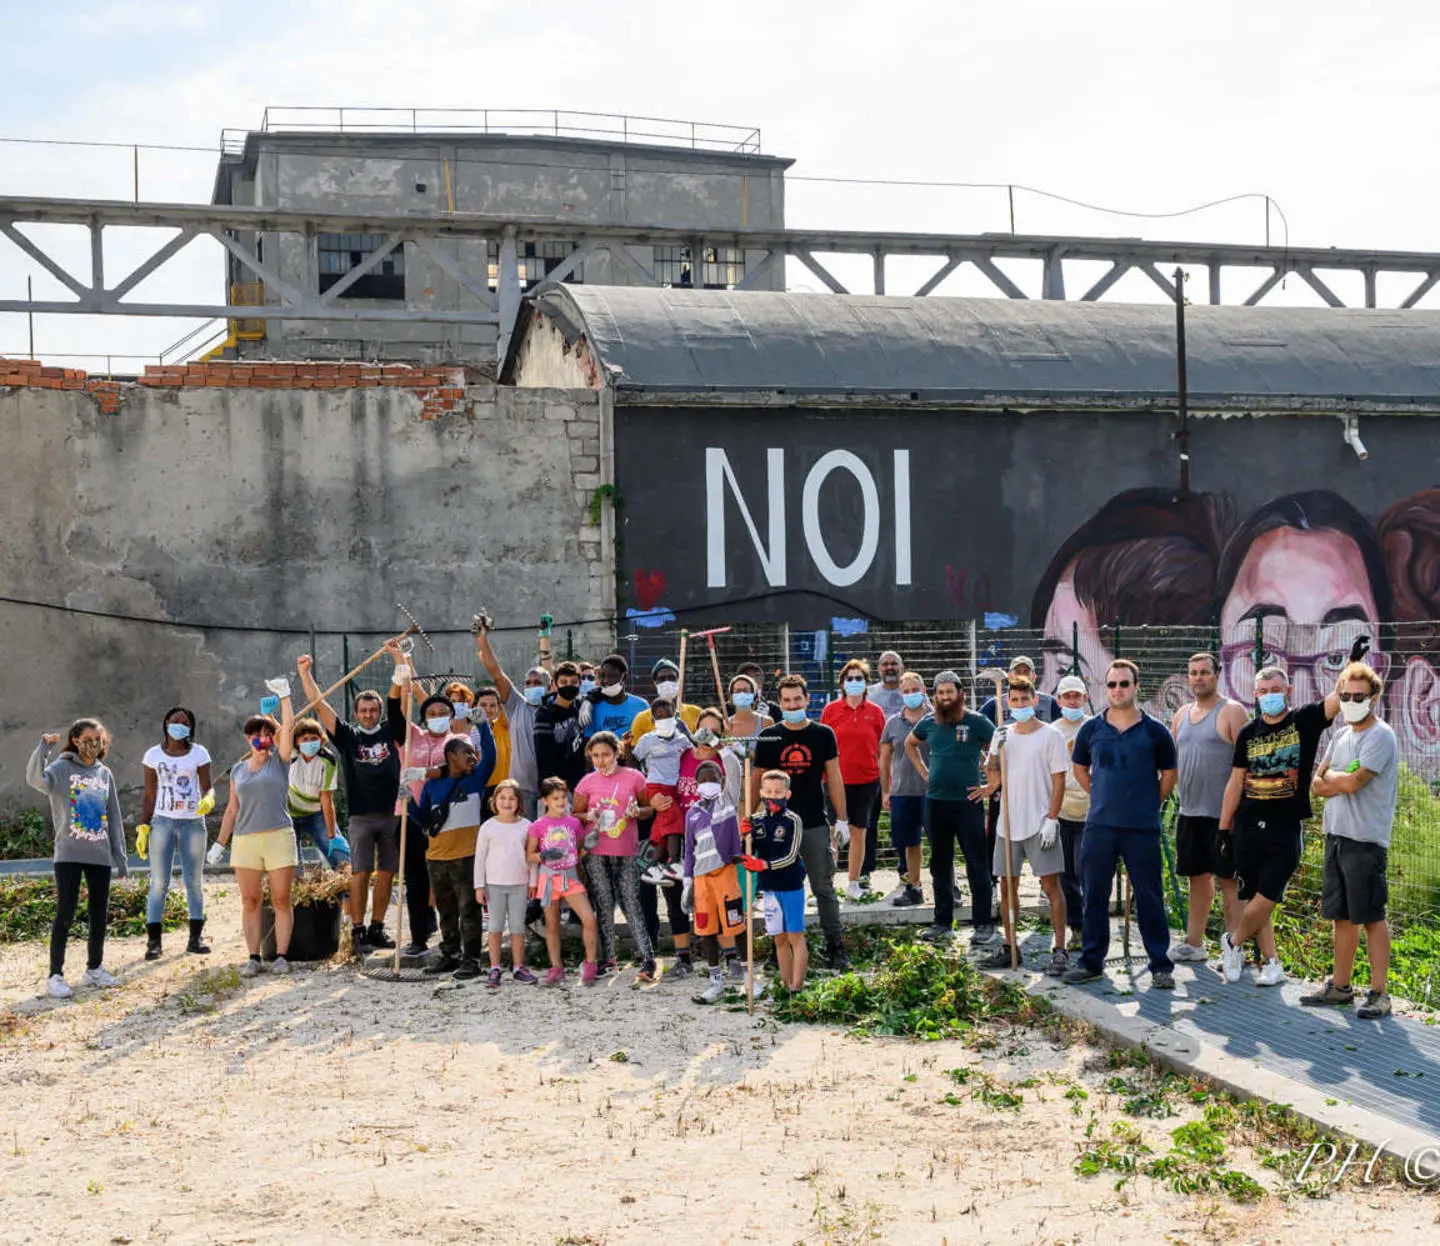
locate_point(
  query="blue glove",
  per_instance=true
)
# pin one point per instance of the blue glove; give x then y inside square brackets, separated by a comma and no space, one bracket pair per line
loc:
[338,847]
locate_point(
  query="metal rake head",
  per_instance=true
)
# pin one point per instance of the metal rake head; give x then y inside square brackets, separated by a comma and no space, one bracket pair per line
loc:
[415,623]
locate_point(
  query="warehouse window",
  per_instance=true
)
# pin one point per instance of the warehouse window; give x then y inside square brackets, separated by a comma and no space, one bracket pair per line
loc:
[722,268]
[339,253]
[537,261]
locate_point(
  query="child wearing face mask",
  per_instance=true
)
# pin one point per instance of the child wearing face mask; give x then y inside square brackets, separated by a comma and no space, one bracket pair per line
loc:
[659,751]
[314,776]
[712,888]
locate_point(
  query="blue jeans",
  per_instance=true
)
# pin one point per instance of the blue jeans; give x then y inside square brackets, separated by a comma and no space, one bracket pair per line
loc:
[1100,847]
[167,837]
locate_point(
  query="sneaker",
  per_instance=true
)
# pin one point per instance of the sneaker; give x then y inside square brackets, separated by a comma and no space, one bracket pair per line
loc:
[935,934]
[1271,974]
[1183,952]
[280,965]
[998,959]
[1080,972]
[1059,963]
[1329,994]
[983,934]
[681,969]
[99,976]
[252,968]
[654,876]
[492,979]
[1376,1005]
[523,975]
[713,993]
[1232,959]
[589,971]
[647,972]
[57,988]
[735,969]
[377,937]
[444,963]
[468,969]
[1162,980]
[556,976]
[853,892]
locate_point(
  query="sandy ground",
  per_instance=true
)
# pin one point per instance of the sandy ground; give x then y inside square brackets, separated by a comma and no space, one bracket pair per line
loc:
[325,1106]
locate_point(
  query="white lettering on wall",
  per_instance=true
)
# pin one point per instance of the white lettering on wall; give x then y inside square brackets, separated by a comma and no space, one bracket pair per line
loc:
[902,516]
[840,460]
[717,473]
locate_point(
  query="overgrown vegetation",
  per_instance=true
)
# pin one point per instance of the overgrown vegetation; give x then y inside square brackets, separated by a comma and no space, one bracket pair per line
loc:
[27,908]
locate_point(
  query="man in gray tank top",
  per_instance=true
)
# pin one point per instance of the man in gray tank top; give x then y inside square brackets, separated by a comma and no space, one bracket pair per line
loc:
[1204,732]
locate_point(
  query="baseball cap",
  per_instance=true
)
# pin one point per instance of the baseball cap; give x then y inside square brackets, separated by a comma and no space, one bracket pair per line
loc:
[1021,660]
[1071,683]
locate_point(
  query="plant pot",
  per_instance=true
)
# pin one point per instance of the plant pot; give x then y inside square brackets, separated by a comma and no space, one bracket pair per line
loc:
[316,935]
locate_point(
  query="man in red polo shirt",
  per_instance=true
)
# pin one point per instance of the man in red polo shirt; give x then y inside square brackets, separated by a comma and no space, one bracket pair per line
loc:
[858,724]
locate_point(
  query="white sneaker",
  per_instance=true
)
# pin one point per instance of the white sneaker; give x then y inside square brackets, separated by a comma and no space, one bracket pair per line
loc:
[57,988]
[853,891]
[1189,952]
[1272,973]
[1232,959]
[280,965]
[99,976]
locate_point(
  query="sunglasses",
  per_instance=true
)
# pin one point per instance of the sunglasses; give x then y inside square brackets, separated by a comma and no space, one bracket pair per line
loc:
[1355,696]
[1117,683]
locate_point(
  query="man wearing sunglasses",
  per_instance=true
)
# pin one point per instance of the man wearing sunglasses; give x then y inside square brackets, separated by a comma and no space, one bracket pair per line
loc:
[1266,801]
[1126,760]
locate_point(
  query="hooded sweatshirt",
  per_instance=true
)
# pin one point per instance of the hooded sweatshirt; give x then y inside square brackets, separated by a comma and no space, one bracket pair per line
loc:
[84,808]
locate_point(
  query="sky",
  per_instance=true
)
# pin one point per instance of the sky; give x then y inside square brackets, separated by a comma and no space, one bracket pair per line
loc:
[1326,107]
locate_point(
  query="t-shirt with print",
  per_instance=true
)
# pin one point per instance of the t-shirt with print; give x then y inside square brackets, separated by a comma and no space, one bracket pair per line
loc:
[558,834]
[617,718]
[955,750]
[905,780]
[802,754]
[1369,814]
[309,776]
[1278,759]
[177,780]
[608,796]
[1032,760]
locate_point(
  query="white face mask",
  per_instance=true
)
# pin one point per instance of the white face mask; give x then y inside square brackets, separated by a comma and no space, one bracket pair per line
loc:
[667,689]
[708,791]
[665,727]
[612,690]
[1356,711]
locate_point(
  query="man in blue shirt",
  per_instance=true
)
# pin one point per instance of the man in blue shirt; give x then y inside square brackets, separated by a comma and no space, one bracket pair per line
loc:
[1126,760]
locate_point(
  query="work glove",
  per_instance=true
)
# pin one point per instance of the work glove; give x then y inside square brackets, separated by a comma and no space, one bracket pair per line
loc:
[207,804]
[754,864]
[142,841]
[841,834]
[687,896]
[1360,648]
[413,774]
[547,621]
[216,855]
[280,686]
[339,847]
[1049,833]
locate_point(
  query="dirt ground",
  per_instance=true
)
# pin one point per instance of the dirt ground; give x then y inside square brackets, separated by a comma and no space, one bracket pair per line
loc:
[188,1107]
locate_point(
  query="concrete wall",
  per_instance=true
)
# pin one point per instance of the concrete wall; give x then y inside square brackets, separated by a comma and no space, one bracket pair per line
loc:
[551,179]
[277,508]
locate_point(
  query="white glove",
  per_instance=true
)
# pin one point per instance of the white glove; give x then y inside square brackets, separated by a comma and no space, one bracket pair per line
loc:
[1049,832]
[413,774]
[687,896]
[216,854]
[280,687]
[842,834]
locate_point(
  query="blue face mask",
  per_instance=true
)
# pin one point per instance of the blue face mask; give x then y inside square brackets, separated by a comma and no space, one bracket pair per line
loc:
[309,747]
[744,700]
[1024,714]
[1272,703]
[1073,713]
[586,685]
[533,694]
[913,700]
[854,687]
[793,717]
[177,731]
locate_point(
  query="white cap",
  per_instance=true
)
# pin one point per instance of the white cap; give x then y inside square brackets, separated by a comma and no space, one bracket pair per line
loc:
[1071,683]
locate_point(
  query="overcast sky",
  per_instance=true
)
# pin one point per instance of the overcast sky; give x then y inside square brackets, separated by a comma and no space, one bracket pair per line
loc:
[1328,107]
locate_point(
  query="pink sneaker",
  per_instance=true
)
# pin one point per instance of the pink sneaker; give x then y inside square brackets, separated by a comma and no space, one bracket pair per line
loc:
[555,977]
[588,973]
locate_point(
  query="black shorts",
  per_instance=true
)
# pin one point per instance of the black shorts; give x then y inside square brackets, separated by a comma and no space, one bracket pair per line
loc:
[1354,888]
[1201,848]
[1267,852]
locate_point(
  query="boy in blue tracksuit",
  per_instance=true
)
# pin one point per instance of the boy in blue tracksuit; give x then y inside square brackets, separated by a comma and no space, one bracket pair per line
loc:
[775,839]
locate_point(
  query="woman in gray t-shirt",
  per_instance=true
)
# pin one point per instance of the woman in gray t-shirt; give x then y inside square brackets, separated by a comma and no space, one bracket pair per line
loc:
[258,818]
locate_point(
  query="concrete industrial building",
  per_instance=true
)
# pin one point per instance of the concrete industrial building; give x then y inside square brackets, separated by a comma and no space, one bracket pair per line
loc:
[585,169]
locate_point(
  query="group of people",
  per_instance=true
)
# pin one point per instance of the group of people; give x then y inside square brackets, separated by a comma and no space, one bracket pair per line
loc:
[572,792]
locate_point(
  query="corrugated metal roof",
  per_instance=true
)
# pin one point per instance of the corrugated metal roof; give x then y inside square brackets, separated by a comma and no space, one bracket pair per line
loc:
[679,341]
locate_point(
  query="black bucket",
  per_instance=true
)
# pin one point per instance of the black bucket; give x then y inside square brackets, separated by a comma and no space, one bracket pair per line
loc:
[316,935]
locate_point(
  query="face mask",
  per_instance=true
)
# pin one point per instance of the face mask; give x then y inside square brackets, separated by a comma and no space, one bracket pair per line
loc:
[438,726]
[1356,711]
[309,747]
[913,700]
[260,743]
[533,695]
[775,806]
[667,689]
[1024,714]
[794,717]
[177,731]
[612,690]
[1272,703]
[587,685]
[743,700]
[462,711]
[568,692]
[665,727]
[708,791]
[854,687]
[1073,713]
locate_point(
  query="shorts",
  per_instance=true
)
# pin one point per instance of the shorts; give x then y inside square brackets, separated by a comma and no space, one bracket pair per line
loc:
[784,911]
[1267,852]
[506,902]
[1201,848]
[374,843]
[264,850]
[553,888]
[1043,861]
[1354,888]
[669,821]
[907,822]
[718,907]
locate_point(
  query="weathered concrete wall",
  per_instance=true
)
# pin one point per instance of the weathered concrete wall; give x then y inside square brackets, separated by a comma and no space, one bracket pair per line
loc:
[271,509]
